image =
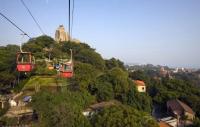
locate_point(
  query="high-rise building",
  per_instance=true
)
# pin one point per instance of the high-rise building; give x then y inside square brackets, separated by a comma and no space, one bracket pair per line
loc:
[61,35]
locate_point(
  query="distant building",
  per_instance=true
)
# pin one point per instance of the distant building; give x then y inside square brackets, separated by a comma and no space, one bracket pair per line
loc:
[175,70]
[61,35]
[140,85]
[163,72]
[180,109]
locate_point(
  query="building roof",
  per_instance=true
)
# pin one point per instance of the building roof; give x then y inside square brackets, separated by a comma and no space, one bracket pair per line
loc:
[163,124]
[178,106]
[101,105]
[139,82]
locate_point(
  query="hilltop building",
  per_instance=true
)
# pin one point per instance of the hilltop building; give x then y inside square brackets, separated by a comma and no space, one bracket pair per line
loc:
[140,85]
[61,35]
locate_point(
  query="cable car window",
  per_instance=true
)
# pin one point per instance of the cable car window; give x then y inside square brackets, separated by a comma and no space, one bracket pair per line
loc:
[24,58]
[67,67]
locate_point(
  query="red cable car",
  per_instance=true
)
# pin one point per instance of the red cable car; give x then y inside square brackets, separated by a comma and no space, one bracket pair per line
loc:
[66,69]
[25,62]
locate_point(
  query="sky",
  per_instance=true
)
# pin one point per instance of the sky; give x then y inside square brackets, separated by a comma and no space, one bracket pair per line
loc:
[164,32]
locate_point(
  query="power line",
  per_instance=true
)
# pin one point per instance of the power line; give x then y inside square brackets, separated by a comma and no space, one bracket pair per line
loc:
[32,17]
[14,25]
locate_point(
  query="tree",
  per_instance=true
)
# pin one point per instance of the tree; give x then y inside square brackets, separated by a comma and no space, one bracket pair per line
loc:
[37,45]
[140,101]
[59,109]
[119,80]
[196,123]
[85,74]
[138,75]
[111,63]
[122,116]
[104,91]
[8,65]
[90,57]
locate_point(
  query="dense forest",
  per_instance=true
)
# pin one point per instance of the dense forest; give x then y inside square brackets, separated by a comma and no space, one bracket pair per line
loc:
[95,80]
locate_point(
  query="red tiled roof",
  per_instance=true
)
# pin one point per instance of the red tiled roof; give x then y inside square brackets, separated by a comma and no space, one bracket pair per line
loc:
[163,124]
[139,82]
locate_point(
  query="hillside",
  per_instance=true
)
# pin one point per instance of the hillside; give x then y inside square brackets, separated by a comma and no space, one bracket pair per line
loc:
[96,83]
[61,102]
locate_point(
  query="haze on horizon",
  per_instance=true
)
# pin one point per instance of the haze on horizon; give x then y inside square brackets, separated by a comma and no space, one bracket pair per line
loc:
[164,32]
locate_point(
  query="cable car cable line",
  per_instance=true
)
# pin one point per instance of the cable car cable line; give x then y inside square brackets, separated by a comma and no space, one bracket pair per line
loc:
[14,25]
[25,60]
[69,27]
[66,69]
[72,17]
[32,16]
[20,47]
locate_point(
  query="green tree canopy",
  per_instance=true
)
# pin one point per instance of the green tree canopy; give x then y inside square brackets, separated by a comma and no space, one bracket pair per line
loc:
[61,109]
[111,63]
[8,64]
[91,57]
[85,74]
[119,80]
[122,116]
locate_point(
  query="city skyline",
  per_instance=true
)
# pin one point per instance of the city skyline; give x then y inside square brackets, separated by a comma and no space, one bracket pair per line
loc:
[156,32]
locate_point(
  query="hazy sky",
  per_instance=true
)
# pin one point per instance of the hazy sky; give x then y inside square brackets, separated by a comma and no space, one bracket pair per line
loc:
[165,32]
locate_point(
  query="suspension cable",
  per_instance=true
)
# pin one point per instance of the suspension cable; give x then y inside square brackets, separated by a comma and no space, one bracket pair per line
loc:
[69,27]
[14,25]
[32,17]
[72,17]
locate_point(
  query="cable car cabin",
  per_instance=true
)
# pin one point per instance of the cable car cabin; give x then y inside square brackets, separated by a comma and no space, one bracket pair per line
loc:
[66,70]
[50,66]
[25,62]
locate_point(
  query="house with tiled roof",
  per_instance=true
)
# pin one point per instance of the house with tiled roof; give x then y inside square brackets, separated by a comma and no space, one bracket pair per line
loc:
[179,109]
[140,85]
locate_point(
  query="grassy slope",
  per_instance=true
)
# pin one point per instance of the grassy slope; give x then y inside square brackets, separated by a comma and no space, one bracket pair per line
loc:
[41,81]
